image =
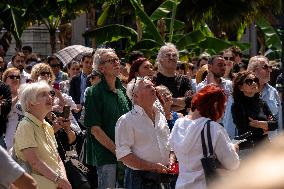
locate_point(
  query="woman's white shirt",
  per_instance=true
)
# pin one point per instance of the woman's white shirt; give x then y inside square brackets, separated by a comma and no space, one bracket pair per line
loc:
[185,140]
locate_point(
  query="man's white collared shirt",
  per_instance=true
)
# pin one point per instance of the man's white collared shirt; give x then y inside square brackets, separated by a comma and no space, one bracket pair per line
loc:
[136,133]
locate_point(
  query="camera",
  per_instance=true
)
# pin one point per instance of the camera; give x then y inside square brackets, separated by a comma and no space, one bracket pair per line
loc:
[66,112]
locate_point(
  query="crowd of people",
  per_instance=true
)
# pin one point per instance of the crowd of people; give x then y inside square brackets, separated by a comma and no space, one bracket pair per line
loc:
[97,123]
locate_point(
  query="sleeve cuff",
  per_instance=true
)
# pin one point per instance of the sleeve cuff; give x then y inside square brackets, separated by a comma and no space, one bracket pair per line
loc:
[122,152]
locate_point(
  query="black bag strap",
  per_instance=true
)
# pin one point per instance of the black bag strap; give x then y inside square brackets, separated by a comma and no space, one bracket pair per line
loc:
[210,147]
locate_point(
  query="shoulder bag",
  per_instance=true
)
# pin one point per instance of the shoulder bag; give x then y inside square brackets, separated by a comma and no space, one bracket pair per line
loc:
[209,161]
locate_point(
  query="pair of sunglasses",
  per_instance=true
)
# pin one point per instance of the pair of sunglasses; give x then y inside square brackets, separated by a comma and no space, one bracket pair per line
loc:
[14,77]
[250,81]
[266,67]
[45,73]
[228,58]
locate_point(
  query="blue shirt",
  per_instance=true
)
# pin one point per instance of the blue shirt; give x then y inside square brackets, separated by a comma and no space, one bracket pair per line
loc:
[225,84]
[83,86]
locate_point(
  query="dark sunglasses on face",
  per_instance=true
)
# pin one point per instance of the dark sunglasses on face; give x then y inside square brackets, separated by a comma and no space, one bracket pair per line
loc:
[266,67]
[45,73]
[55,65]
[250,81]
[228,58]
[14,77]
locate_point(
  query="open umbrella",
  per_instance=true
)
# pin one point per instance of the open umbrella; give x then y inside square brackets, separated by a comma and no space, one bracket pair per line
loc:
[73,52]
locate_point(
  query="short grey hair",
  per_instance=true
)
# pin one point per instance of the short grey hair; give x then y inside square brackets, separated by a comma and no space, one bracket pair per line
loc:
[132,87]
[97,60]
[254,62]
[28,93]
[164,49]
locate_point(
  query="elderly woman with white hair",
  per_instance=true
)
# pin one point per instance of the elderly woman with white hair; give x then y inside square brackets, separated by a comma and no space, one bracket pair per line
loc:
[35,142]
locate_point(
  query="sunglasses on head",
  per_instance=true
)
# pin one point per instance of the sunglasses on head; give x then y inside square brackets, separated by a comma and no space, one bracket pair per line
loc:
[14,77]
[228,58]
[250,81]
[55,65]
[266,67]
[45,73]
[136,81]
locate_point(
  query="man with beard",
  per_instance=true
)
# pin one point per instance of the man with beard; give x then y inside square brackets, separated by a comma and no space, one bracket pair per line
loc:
[179,85]
[216,71]
[18,61]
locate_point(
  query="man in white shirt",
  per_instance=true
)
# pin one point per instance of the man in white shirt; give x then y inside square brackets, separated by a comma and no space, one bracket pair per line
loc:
[141,137]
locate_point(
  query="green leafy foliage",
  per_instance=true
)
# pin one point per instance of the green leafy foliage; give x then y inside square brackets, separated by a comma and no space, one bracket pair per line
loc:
[111,33]
[147,21]
[272,39]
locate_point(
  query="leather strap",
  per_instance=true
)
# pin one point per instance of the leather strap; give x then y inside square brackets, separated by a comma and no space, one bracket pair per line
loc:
[204,147]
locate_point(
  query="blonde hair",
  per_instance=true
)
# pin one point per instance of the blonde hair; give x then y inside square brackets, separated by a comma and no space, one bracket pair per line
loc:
[7,72]
[28,93]
[39,68]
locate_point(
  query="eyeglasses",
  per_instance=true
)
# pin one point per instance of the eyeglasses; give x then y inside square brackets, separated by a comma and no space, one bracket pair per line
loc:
[250,81]
[45,73]
[111,60]
[267,67]
[171,55]
[228,58]
[14,77]
[55,65]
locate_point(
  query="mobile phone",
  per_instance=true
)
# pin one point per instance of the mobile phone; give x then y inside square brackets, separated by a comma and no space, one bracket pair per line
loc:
[56,86]
[65,112]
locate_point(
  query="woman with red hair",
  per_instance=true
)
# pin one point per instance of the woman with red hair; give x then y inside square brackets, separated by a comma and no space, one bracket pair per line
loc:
[185,139]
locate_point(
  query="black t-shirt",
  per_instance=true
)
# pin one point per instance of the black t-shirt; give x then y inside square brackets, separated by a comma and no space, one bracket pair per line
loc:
[178,85]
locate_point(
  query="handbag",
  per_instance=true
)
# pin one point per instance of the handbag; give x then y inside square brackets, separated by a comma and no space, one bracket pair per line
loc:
[209,161]
[76,172]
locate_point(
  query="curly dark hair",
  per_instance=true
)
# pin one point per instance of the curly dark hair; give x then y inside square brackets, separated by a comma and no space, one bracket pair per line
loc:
[238,81]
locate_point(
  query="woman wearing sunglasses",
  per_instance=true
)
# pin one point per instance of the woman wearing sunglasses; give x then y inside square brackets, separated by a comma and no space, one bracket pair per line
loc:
[12,78]
[250,113]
